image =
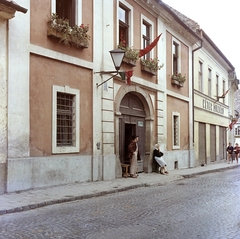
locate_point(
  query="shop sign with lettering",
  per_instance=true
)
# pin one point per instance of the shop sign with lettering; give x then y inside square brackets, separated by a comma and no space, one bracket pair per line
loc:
[208,105]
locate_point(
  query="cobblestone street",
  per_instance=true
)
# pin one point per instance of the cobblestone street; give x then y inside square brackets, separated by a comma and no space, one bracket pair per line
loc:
[206,206]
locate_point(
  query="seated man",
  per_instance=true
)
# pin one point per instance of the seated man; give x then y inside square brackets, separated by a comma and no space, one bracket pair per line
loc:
[157,155]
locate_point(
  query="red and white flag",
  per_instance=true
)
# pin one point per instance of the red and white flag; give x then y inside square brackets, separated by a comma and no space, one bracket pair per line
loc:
[126,75]
[232,123]
[147,49]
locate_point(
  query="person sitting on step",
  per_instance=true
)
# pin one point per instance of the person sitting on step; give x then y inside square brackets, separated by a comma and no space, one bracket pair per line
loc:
[158,156]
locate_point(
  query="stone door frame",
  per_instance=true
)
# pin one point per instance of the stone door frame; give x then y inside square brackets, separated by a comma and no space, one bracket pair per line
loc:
[149,120]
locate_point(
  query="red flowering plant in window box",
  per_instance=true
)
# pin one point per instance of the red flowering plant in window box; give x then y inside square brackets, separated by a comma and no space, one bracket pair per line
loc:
[151,65]
[178,79]
[76,36]
[131,55]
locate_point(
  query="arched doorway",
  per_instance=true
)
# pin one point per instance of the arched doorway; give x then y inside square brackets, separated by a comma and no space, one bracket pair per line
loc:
[132,122]
[145,102]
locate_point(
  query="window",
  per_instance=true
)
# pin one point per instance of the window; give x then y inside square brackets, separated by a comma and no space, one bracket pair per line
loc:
[237,131]
[146,38]
[147,35]
[68,9]
[224,90]
[200,76]
[176,130]
[217,85]
[175,51]
[209,82]
[65,121]
[123,14]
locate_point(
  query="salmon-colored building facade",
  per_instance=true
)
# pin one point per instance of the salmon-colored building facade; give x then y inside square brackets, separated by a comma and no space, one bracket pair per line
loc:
[76,114]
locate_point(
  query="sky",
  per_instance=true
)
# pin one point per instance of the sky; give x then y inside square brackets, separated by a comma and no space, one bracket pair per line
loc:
[219,19]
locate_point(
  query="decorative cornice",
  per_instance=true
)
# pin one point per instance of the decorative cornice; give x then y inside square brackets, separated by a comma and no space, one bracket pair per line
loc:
[170,18]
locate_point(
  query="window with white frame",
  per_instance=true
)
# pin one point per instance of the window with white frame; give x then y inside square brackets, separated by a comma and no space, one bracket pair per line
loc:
[68,9]
[200,76]
[146,37]
[175,57]
[176,130]
[237,131]
[65,120]
[217,85]
[224,89]
[123,15]
[209,82]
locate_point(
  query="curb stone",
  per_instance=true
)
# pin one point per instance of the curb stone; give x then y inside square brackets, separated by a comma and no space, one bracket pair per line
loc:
[110,191]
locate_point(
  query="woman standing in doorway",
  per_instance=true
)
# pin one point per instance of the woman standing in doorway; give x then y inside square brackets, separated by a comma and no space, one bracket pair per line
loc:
[133,155]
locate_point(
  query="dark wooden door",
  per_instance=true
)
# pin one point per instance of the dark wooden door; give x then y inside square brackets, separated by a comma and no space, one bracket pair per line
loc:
[222,143]
[132,123]
[202,144]
[213,157]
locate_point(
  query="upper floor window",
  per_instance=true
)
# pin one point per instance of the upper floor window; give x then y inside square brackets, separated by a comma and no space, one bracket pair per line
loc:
[237,131]
[224,90]
[200,76]
[123,13]
[217,85]
[66,9]
[146,29]
[175,51]
[209,82]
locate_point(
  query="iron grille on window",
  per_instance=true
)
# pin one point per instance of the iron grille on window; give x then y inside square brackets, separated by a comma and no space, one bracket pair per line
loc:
[65,119]
[175,131]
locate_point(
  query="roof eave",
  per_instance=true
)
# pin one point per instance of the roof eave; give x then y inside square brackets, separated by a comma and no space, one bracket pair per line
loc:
[14,6]
[178,20]
[217,50]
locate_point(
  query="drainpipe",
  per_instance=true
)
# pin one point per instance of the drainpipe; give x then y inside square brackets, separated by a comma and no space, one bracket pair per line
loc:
[7,95]
[193,82]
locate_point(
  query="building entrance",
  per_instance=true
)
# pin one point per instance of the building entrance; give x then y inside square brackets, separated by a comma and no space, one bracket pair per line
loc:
[132,123]
[222,143]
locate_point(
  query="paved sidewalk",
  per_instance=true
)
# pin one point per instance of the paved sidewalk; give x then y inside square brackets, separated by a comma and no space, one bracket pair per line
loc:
[17,202]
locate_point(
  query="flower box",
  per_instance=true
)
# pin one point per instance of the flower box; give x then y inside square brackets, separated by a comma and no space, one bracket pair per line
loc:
[72,36]
[129,61]
[148,70]
[176,82]
[55,34]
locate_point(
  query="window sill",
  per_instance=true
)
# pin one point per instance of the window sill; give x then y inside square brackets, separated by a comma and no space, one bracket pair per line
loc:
[176,82]
[58,35]
[148,70]
[129,61]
